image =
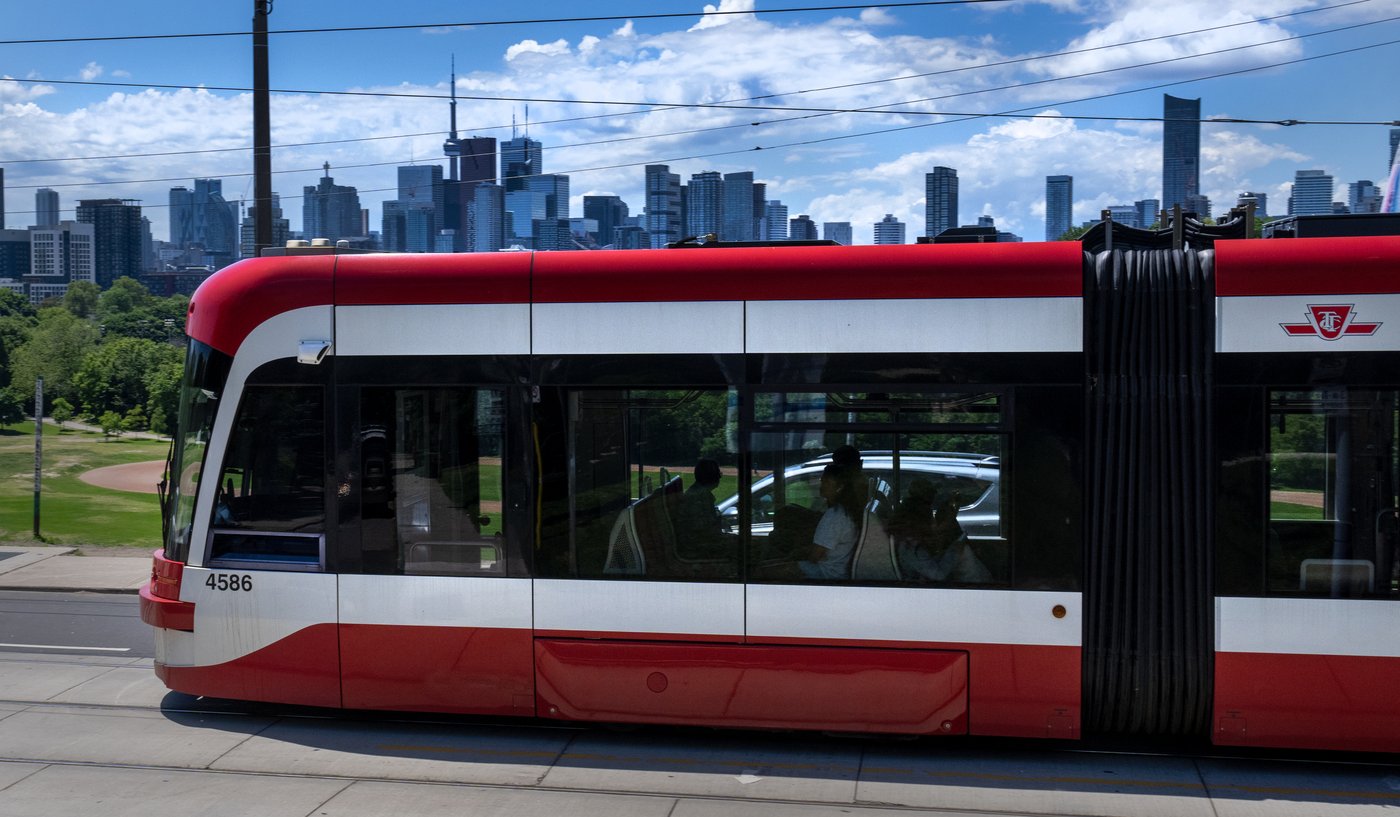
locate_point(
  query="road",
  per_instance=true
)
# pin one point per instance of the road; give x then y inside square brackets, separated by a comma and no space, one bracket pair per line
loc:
[73,624]
[83,733]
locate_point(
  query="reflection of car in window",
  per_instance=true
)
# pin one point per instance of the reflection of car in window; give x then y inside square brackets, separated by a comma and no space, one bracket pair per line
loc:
[973,478]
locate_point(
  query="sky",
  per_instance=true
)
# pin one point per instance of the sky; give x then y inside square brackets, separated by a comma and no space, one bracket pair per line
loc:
[932,74]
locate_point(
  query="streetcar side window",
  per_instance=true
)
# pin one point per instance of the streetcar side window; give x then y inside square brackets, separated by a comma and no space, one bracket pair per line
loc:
[645,471]
[878,487]
[431,480]
[1333,477]
[271,510]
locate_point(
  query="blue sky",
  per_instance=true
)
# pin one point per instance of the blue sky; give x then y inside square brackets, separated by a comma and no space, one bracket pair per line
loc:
[853,175]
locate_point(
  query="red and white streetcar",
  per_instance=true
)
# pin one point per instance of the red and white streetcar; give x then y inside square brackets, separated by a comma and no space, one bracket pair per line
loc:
[1146,492]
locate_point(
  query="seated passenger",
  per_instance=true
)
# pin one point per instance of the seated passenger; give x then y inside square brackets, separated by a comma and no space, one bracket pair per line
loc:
[699,529]
[930,544]
[834,542]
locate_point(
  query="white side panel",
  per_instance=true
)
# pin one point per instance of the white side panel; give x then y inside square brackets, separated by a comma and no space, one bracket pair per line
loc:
[439,601]
[433,329]
[917,325]
[1308,626]
[639,607]
[1255,324]
[916,614]
[230,624]
[277,337]
[697,327]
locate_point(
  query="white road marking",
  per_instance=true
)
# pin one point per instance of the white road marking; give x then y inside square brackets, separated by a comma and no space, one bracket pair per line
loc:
[64,647]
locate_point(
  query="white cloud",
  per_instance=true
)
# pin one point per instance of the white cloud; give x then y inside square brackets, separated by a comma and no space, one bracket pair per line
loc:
[12,91]
[118,72]
[713,20]
[557,48]
[90,72]
[877,17]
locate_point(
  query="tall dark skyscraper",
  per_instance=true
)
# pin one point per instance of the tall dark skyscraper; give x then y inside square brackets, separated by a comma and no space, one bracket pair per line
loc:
[45,207]
[609,211]
[940,200]
[521,157]
[1181,150]
[1394,144]
[116,237]
[737,223]
[330,210]
[663,206]
[705,204]
[1059,206]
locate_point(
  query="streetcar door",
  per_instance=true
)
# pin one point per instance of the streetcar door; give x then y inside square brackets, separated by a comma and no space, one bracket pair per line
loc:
[431,617]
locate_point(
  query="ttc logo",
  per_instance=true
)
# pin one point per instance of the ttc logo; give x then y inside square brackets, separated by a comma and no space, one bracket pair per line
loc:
[1330,321]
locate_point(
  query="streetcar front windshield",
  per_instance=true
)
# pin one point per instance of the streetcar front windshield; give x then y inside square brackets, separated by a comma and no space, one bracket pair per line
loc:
[206,371]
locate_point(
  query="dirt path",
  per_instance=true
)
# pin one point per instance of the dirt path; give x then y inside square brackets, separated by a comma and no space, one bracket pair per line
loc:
[1310,499]
[138,477]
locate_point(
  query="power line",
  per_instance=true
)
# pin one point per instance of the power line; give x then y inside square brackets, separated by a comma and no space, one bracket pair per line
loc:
[487,23]
[724,103]
[1017,113]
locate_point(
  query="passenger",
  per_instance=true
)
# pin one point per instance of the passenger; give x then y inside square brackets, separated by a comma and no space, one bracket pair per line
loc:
[699,529]
[937,550]
[849,456]
[834,542]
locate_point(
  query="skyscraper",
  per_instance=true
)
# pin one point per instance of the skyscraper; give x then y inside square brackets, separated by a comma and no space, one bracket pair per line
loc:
[1312,193]
[663,206]
[521,157]
[1394,144]
[1147,211]
[940,200]
[1181,150]
[411,222]
[45,207]
[737,222]
[487,217]
[1363,196]
[802,228]
[838,231]
[116,237]
[889,230]
[775,215]
[330,210]
[1059,206]
[705,204]
[59,255]
[475,164]
[281,228]
[1259,200]
[609,211]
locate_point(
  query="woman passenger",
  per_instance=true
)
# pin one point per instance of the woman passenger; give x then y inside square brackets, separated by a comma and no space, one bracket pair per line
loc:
[834,542]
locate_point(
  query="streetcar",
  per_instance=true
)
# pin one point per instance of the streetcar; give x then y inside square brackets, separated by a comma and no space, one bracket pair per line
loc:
[490,484]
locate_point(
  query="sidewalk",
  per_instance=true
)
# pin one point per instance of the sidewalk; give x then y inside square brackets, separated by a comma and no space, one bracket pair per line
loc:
[60,569]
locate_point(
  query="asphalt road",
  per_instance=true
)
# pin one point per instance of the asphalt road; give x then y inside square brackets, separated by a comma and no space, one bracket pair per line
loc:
[73,624]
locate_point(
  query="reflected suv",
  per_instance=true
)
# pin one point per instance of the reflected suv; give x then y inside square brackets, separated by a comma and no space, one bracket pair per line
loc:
[974,478]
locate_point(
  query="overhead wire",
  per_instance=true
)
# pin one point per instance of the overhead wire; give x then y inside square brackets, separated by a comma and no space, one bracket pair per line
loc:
[489,23]
[652,106]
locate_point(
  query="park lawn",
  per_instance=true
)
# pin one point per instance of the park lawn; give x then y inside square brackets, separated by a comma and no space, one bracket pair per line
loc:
[1291,510]
[71,511]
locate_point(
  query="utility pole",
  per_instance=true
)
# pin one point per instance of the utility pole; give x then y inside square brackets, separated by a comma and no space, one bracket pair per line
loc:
[262,132]
[38,448]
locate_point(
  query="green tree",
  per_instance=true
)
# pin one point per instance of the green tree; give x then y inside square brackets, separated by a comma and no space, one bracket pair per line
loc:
[111,423]
[13,304]
[113,375]
[54,350]
[163,394]
[126,295]
[1073,234]
[135,419]
[11,409]
[81,298]
[61,411]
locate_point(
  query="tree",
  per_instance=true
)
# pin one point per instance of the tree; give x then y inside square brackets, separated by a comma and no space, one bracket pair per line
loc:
[81,298]
[112,377]
[1073,234]
[11,409]
[111,423]
[13,304]
[125,295]
[54,350]
[163,394]
[61,411]
[135,419]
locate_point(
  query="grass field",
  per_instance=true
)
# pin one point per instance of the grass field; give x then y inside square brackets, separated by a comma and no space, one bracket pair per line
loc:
[71,511]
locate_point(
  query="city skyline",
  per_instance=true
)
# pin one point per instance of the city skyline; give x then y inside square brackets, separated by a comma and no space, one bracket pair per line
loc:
[1002,162]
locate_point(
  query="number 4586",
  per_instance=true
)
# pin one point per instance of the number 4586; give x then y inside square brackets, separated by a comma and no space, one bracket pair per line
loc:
[229,581]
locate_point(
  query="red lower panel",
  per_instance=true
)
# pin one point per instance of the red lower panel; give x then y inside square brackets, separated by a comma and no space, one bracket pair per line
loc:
[437,669]
[301,669]
[168,614]
[1014,690]
[859,690]
[1307,701]
[1024,691]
